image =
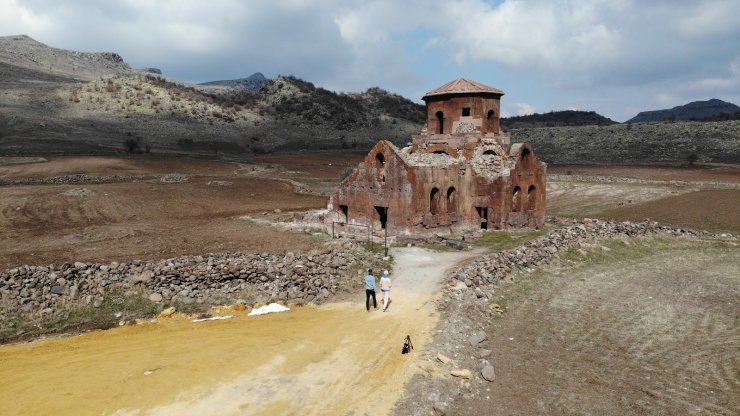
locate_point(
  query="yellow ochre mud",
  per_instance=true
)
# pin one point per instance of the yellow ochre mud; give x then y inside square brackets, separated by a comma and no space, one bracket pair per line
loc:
[333,359]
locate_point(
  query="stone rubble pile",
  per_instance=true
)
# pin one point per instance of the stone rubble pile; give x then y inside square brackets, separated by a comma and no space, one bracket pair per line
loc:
[42,291]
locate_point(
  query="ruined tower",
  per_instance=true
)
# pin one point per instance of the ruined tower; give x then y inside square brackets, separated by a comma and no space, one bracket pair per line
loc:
[460,173]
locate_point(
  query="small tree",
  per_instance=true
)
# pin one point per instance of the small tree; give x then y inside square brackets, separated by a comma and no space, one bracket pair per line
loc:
[131,145]
[692,158]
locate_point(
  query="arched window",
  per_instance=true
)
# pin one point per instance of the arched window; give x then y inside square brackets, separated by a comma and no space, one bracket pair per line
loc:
[440,122]
[526,154]
[489,152]
[451,199]
[531,198]
[516,199]
[490,117]
[380,166]
[435,201]
[380,160]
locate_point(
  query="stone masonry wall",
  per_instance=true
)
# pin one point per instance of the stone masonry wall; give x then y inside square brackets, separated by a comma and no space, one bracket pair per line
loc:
[48,291]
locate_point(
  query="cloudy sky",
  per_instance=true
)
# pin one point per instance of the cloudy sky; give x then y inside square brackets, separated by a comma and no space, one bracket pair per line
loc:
[616,57]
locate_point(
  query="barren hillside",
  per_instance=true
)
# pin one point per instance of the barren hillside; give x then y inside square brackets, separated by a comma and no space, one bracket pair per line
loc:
[55,101]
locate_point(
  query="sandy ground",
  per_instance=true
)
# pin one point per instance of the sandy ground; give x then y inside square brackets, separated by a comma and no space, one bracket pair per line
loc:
[336,359]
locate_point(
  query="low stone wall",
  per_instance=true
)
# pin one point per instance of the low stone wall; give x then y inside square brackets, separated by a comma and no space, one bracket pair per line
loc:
[79,178]
[468,308]
[484,273]
[48,291]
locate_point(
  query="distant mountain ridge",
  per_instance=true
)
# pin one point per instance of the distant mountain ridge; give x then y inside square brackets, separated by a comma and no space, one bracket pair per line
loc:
[557,119]
[251,83]
[695,110]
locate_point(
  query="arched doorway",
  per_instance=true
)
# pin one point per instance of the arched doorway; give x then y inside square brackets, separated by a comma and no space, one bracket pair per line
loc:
[440,122]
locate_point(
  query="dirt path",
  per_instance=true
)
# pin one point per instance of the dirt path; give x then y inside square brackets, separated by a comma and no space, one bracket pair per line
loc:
[336,359]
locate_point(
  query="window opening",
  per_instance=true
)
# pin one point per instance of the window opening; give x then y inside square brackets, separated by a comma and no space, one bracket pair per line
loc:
[434,201]
[516,200]
[451,199]
[466,112]
[531,198]
[440,122]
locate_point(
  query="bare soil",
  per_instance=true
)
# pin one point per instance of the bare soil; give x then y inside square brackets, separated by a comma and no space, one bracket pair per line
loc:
[649,328]
[142,219]
[689,173]
[715,210]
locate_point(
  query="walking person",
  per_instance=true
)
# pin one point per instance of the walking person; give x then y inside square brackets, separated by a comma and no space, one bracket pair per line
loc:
[385,287]
[370,290]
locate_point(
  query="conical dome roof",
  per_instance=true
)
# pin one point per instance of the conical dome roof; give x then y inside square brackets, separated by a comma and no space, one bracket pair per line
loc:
[462,86]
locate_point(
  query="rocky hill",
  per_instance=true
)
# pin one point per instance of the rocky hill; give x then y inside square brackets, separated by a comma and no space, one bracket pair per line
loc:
[25,52]
[43,113]
[696,110]
[64,102]
[556,119]
[251,83]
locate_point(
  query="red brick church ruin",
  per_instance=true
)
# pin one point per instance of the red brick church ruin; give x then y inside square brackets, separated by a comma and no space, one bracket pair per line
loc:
[460,173]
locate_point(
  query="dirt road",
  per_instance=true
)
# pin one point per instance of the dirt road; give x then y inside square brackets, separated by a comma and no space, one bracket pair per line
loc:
[335,359]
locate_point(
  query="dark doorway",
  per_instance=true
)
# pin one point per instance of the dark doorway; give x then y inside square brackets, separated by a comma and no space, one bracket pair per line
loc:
[345,211]
[483,214]
[383,216]
[440,122]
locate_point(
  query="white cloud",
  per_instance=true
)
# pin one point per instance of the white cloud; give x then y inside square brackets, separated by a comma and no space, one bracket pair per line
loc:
[523,109]
[666,99]
[639,48]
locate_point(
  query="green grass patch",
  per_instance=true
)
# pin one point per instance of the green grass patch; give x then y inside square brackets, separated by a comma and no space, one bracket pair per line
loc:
[129,307]
[440,248]
[507,240]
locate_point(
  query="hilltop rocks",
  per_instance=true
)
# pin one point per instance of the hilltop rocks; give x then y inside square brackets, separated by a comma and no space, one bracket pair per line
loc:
[300,277]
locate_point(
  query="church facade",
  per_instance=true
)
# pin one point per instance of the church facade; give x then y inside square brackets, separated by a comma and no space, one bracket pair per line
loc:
[460,173]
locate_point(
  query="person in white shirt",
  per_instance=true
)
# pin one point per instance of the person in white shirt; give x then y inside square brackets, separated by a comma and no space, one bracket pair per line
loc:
[385,287]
